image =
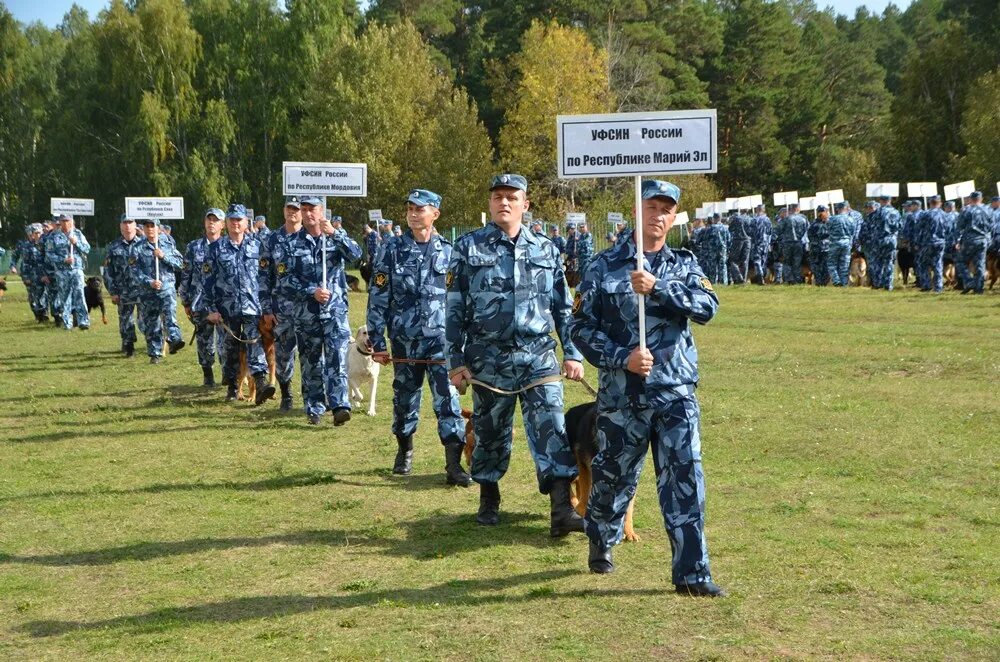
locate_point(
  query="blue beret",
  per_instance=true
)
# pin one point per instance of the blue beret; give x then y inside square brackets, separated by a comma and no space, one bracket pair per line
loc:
[869,203]
[216,212]
[236,211]
[509,181]
[821,208]
[793,205]
[260,218]
[34,227]
[976,195]
[167,227]
[423,197]
[311,200]
[125,219]
[839,206]
[149,221]
[654,188]
[293,201]
[64,217]
[949,203]
[885,197]
[995,198]
[934,198]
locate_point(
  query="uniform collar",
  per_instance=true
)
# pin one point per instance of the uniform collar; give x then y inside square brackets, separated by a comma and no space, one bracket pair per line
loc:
[626,248]
[497,234]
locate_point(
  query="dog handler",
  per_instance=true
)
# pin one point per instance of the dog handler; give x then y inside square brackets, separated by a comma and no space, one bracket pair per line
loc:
[210,339]
[407,298]
[647,396]
[503,279]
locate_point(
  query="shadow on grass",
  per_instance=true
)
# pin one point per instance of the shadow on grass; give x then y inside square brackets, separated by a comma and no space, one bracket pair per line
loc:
[465,593]
[303,479]
[437,536]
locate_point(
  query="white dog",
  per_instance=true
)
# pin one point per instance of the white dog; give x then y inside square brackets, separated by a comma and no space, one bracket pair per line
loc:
[362,371]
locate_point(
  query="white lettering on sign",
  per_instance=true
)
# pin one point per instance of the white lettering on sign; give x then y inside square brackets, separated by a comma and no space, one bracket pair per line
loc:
[168,208]
[576,217]
[630,144]
[375,215]
[338,180]
[73,206]
[615,217]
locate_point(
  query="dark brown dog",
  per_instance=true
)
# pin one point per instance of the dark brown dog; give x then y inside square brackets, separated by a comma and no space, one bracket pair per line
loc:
[92,295]
[992,268]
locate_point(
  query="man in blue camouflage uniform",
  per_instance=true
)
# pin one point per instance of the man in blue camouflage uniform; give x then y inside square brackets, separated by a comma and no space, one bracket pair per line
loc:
[907,245]
[930,236]
[209,338]
[819,246]
[584,248]
[385,230]
[776,247]
[48,274]
[791,232]
[506,292]
[231,297]
[120,280]
[320,309]
[841,232]
[28,255]
[156,260]
[407,299]
[739,248]
[951,224]
[557,239]
[372,241]
[260,229]
[694,240]
[646,396]
[65,249]
[975,228]
[572,238]
[714,245]
[994,247]
[885,225]
[277,306]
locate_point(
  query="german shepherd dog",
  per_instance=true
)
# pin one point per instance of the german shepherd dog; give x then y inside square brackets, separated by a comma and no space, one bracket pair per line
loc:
[581,433]
[244,380]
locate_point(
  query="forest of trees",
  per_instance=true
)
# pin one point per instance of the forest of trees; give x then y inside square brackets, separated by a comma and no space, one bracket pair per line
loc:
[205,98]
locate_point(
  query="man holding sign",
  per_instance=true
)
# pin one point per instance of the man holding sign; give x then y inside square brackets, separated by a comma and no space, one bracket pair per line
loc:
[647,395]
[975,227]
[64,251]
[154,270]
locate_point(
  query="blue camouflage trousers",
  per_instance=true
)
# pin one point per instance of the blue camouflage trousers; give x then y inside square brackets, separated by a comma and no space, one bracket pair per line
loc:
[153,305]
[52,294]
[126,321]
[930,264]
[407,390]
[818,264]
[838,264]
[323,344]
[37,298]
[716,267]
[541,408]
[976,254]
[882,265]
[758,261]
[70,294]
[739,259]
[284,342]
[623,436]
[210,340]
[247,332]
[791,262]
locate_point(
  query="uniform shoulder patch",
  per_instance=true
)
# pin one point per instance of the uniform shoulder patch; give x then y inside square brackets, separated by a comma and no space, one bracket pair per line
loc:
[449,279]
[264,263]
[131,261]
[577,302]
[707,284]
[381,279]
[282,267]
[206,268]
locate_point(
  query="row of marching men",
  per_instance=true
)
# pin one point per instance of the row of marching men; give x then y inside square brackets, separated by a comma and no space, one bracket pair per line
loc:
[744,248]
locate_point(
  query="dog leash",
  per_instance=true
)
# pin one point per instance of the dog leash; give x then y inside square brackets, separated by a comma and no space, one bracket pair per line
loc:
[235,337]
[551,379]
[370,352]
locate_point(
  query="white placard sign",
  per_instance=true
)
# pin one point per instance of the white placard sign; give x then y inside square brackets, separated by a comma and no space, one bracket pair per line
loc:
[921,189]
[576,217]
[72,206]
[699,213]
[630,144]
[731,204]
[829,197]
[719,207]
[527,217]
[785,198]
[875,190]
[998,188]
[338,180]
[169,208]
[745,202]
[681,218]
[616,217]
[807,204]
[374,215]
[756,200]
[959,191]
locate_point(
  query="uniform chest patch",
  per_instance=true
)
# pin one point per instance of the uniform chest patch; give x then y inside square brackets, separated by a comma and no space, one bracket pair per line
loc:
[577,302]
[381,279]
[206,268]
[707,284]
[282,268]
[449,279]
[131,262]
[263,263]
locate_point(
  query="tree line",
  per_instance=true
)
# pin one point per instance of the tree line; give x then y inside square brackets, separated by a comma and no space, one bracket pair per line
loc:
[205,98]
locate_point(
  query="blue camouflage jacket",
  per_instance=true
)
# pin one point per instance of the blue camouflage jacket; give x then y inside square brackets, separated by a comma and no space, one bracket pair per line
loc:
[931,228]
[32,267]
[739,230]
[499,291]
[57,249]
[120,267]
[975,225]
[841,230]
[715,239]
[231,278]
[560,242]
[819,237]
[605,324]
[273,251]
[371,245]
[886,223]
[191,287]
[792,229]
[408,292]
[585,247]
[145,265]
[303,273]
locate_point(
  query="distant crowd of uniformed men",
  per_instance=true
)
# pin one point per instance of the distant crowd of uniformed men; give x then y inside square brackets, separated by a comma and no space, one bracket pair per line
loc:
[482,313]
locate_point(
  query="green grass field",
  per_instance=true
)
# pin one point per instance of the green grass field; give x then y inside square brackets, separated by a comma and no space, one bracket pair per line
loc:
[851,442]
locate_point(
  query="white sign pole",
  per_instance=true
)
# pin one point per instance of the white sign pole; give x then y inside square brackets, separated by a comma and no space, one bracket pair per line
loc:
[323,242]
[639,259]
[156,260]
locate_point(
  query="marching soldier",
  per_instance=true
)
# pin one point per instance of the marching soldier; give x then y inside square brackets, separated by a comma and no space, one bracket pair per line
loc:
[156,260]
[407,299]
[64,252]
[120,280]
[208,337]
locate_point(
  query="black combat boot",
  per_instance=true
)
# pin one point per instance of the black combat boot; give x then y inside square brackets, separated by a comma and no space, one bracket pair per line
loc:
[230,392]
[264,390]
[565,519]
[700,590]
[340,416]
[129,350]
[453,465]
[286,396]
[57,318]
[209,376]
[177,346]
[404,455]
[599,561]
[489,504]
[154,359]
